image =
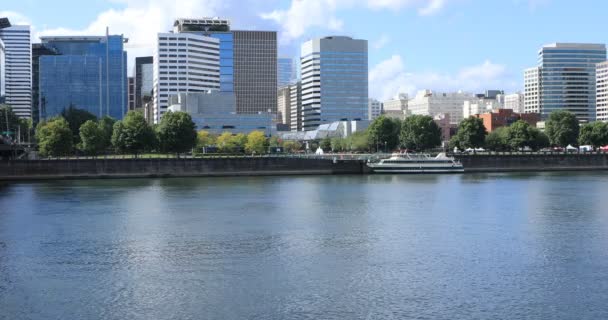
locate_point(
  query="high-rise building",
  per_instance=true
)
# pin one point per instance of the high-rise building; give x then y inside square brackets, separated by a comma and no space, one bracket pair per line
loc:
[338,65]
[374,109]
[184,62]
[515,102]
[2,69]
[396,107]
[131,93]
[88,72]
[429,103]
[532,90]
[18,67]
[38,50]
[566,76]
[255,71]
[295,91]
[286,71]
[144,80]
[602,91]
[284,105]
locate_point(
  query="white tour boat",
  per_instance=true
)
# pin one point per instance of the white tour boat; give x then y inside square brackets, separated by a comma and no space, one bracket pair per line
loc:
[417,163]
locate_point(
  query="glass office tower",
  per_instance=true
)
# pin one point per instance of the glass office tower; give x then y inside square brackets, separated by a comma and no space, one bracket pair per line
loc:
[88,72]
[564,80]
[286,72]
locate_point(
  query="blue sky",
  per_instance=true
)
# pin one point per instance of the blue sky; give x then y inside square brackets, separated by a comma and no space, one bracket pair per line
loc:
[444,45]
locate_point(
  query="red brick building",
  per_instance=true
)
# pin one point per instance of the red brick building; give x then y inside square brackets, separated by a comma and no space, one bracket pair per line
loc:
[506,117]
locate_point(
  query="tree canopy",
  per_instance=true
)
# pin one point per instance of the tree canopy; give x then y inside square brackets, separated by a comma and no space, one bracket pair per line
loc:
[92,138]
[384,132]
[256,142]
[133,134]
[54,138]
[176,132]
[562,128]
[75,118]
[471,134]
[420,133]
[594,134]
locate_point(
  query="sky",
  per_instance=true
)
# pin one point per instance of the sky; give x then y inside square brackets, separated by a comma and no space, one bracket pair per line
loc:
[442,45]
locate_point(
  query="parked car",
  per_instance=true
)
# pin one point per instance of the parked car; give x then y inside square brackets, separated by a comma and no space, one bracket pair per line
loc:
[526,149]
[473,150]
[604,149]
[558,149]
[585,148]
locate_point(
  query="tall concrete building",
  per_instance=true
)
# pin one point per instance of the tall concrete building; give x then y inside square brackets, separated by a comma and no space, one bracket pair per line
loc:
[248,62]
[396,107]
[334,80]
[2,69]
[566,78]
[184,62]
[284,105]
[87,72]
[286,71]
[374,109]
[429,103]
[295,91]
[515,102]
[532,90]
[602,91]
[143,80]
[18,67]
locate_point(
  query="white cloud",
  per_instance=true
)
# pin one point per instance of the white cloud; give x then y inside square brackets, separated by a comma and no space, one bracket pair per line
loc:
[381,42]
[390,77]
[303,15]
[15,17]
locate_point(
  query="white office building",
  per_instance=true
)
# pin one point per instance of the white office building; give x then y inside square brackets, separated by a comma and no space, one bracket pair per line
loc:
[515,102]
[339,65]
[295,106]
[184,63]
[565,79]
[374,109]
[429,103]
[396,107]
[2,68]
[602,91]
[18,67]
[479,106]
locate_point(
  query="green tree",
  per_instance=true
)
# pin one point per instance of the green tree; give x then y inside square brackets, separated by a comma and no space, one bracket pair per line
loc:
[176,132]
[292,146]
[75,118]
[338,144]
[133,134]
[204,139]
[54,138]
[225,143]
[274,142]
[420,133]
[106,124]
[562,128]
[520,135]
[9,122]
[595,134]
[325,144]
[239,140]
[497,140]
[256,142]
[383,132]
[358,141]
[471,134]
[92,138]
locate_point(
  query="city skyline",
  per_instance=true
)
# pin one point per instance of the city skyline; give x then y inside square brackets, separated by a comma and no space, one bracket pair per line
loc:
[408,48]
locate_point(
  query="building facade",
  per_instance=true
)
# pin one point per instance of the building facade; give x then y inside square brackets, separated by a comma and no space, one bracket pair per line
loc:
[429,103]
[88,72]
[17,67]
[567,78]
[532,90]
[515,102]
[131,93]
[143,80]
[38,50]
[295,92]
[286,72]
[505,118]
[374,109]
[184,62]
[602,91]
[2,69]
[396,107]
[334,80]
[284,105]
[216,112]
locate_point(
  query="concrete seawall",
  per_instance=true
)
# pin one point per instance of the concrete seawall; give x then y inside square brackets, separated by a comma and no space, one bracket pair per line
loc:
[140,168]
[533,162]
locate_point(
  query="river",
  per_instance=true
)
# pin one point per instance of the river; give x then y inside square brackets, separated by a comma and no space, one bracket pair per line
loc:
[486,246]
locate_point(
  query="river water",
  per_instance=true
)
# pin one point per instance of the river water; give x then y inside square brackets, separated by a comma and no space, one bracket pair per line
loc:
[487,246]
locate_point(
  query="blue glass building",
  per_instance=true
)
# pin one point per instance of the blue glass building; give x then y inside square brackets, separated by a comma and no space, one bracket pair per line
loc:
[87,73]
[285,72]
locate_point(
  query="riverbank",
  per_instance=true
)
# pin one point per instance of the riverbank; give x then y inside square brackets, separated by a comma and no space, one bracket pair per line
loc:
[269,165]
